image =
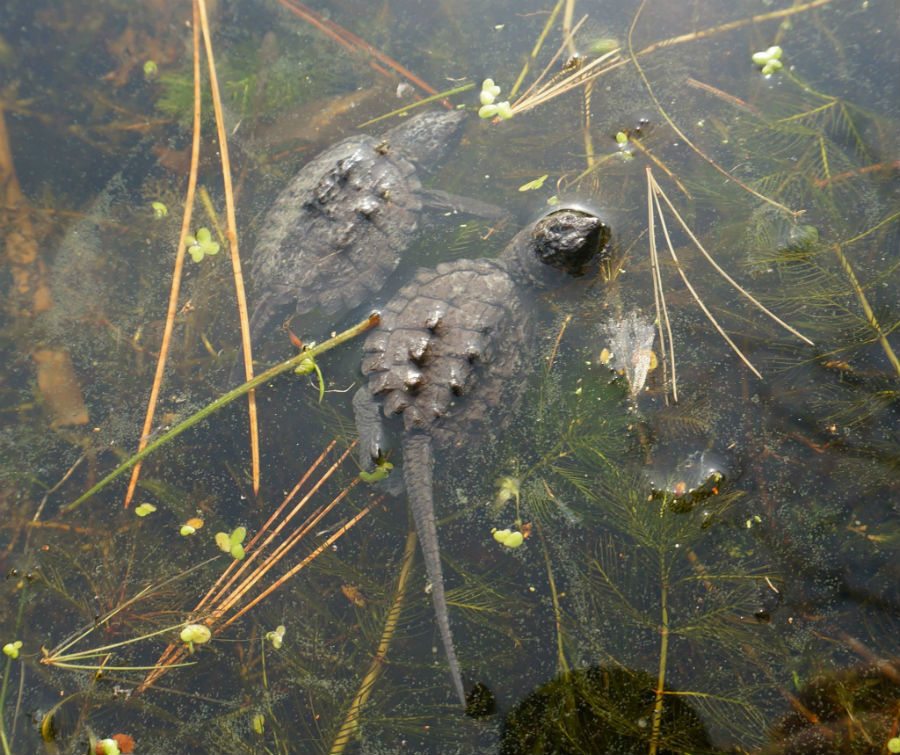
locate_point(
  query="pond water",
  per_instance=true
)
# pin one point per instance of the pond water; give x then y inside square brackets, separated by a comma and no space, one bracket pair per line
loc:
[702,455]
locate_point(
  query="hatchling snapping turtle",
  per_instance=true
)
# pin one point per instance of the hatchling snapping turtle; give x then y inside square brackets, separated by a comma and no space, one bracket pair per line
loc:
[337,230]
[451,350]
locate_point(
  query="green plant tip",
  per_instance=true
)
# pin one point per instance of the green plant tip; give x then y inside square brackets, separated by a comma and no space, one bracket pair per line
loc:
[201,245]
[237,552]
[507,489]
[238,534]
[893,745]
[151,70]
[12,649]
[306,367]
[144,509]
[486,98]
[186,530]
[159,210]
[771,67]
[109,747]
[621,138]
[258,723]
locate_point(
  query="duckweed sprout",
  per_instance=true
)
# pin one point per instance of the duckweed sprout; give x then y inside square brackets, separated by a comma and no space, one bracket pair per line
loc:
[144,509]
[195,634]
[489,92]
[504,111]
[487,111]
[233,543]
[187,530]
[276,637]
[508,538]
[108,747]
[159,210]
[12,649]
[893,745]
[770,60]
[201,245]
[382,470]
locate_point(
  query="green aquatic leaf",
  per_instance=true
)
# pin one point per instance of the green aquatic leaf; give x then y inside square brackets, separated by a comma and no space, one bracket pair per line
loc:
[537,183]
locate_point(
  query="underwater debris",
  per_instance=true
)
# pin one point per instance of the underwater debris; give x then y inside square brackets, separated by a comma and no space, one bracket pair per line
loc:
[631,346]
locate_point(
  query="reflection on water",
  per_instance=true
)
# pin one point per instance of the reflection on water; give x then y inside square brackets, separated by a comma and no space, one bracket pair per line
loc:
[712,574]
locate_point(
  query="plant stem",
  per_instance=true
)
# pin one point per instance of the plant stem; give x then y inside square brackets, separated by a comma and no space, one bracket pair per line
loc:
[223,401]
[663,656]
[867,308]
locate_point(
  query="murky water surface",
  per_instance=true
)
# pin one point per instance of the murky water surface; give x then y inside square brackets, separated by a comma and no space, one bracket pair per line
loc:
[704,469]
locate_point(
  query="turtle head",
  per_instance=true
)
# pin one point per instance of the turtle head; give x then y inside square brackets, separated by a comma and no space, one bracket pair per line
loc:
[569,239]
[426,138]
[564,240]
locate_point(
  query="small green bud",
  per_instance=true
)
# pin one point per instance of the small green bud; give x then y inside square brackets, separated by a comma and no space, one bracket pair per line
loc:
[621,138]
[237,552]
[504,110]
[186,530]
[159,210]
[893,744]
[144,509]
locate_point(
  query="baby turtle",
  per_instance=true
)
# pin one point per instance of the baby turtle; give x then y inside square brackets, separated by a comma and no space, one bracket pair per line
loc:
[451,352]
[337,230]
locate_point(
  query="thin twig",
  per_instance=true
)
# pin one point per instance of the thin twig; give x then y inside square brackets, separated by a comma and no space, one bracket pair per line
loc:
[536,49]
[175,289]
[690,288]
[231,220]
[746,294]
[351,720]
[354,43]
[666,341]
[662,111]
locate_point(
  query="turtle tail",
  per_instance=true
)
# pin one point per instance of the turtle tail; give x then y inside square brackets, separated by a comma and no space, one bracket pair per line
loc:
[418,463]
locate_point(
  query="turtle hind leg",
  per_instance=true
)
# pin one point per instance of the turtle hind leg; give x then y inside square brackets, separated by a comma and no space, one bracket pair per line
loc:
[370,427]
[418,464]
